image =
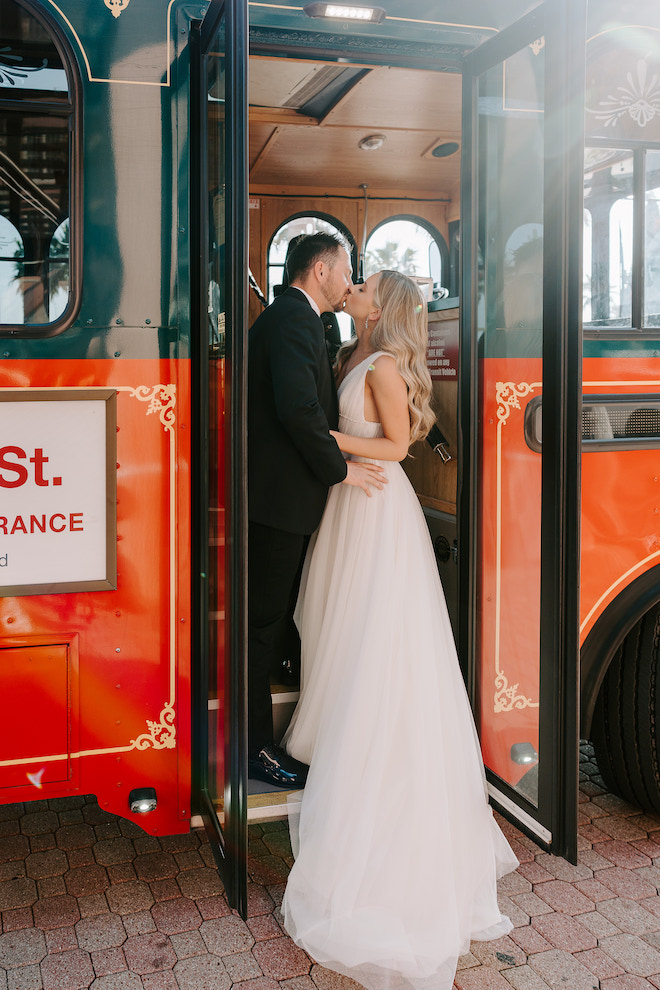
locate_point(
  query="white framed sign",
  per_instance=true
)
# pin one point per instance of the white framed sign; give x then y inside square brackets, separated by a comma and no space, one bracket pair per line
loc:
[58,490]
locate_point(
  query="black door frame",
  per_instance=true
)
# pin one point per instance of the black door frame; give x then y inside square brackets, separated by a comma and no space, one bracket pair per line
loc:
[229,839]
[562,26]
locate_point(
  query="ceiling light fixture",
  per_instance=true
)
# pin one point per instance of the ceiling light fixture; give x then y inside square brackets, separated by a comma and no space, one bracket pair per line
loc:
[445,150]
[372,142]
[344,12]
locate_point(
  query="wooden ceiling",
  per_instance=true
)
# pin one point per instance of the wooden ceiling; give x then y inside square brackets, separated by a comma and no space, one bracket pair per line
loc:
[293,148]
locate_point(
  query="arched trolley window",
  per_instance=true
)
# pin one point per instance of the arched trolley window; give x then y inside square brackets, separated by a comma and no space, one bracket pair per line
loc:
[410,245]
[307,223]
[39,181]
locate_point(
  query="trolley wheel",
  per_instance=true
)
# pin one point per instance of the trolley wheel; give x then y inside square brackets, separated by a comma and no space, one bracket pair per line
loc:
[626,725]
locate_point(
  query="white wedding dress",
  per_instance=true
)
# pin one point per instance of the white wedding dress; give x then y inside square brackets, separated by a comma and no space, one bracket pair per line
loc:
[397,851]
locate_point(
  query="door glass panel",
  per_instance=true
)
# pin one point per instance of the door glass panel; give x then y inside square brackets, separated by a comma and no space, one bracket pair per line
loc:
[510,339]
[652,239]
[608,237]
[215,170]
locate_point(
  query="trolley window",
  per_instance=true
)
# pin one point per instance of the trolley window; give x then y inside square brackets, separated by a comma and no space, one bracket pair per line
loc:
[410,245]
[36,175]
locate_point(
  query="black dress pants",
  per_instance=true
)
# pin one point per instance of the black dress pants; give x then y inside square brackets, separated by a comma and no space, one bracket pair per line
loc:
[274,558]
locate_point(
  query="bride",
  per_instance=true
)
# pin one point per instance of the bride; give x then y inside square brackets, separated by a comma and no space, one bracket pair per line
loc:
[397,851]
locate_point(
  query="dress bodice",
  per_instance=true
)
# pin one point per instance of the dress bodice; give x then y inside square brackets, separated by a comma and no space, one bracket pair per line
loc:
[351,402]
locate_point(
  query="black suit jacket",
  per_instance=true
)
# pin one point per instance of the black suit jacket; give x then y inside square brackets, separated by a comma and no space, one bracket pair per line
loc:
[292,403]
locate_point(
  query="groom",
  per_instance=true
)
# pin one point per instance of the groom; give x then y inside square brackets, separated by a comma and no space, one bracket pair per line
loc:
[292,462]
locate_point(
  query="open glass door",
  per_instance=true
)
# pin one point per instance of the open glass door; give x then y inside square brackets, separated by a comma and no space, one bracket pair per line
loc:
[520,388]
[219,134]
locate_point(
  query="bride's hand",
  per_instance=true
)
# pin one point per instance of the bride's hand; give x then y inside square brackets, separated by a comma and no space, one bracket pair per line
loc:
[364,476]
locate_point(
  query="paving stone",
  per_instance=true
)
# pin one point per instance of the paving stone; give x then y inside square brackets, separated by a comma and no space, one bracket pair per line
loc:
[599,963]
[561,970]
[69,802]
[534,872]
[155,865]
[187,944]
[117,981]
[629,916]
[592,833]
[224,936]
[109,852]
[163,980]
[25,978]
[531,904]
[625,883]
[67,971]
[513,883]
[14,847]
[126,898]
[501,953]
[130,829]
[139,923]
[524,978]
[180,843]
[651,874]
[281,959]
[264,926]
[94,815]
[621,828]
[326,979]
[464,962]
[564,932]
[189,859]
[267,869]
[17,893]
[633,953]
[623,854]
[149,953]
[75,836]
[482,978]
[17,918]
[50,887]
[563,870]
[652,904]
[213,907]
[647,846]
[56,912]
[614,805]
[627,982]
[108,830]
[259,900]
[61,939]
[180,915]
[296,983]
[39,822]
[597,924]
[562,896]
[594,890]
[83,856]
[202,973]
[200,883]
[121,872]
[242,966]
[107,961]
[92,904]
[105,931]
[593,859]
[86,880]
[24,947]
[165,890]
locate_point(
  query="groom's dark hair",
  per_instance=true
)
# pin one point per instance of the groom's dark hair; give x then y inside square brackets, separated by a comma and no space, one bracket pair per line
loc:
[310,249]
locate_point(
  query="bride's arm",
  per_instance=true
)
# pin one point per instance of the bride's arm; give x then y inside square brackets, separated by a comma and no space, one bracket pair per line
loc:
[390,401]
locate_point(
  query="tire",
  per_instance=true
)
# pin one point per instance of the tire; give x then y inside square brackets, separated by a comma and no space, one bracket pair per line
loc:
[626,724]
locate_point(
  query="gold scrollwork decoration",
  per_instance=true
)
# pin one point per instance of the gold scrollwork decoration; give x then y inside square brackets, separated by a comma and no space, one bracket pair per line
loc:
[161,399]
[506,698]
[507,395]
[161,735]
[116,6]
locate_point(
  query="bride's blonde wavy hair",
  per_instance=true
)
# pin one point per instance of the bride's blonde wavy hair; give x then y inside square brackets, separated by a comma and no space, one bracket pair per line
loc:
[402,331]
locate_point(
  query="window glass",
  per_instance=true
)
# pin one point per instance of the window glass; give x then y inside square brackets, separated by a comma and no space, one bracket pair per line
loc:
[278,251]
[608,197]
[34,173]
[652,241]
[405,246]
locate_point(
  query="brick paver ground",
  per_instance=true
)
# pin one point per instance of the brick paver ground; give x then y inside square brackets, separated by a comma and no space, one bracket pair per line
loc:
[88,900]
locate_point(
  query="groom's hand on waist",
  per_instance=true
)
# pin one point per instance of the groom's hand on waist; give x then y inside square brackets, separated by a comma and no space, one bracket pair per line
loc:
[365,476]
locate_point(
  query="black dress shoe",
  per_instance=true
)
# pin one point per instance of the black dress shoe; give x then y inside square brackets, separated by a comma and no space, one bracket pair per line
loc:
[273,765]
